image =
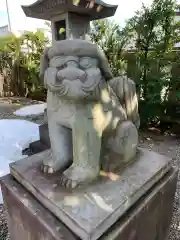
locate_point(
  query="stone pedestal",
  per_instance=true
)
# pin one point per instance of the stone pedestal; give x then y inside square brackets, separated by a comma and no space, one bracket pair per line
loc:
[44,142]
[148,219]
[126,202]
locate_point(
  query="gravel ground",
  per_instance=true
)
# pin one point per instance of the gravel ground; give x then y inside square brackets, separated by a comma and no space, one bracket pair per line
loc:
[9,105]
[4,235]
[167,145]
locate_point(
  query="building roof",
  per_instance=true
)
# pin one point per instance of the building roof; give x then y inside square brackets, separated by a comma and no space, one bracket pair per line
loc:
[4,27]
[46,9]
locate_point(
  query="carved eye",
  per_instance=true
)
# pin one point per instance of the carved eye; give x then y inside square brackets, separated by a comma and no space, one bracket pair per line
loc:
[87,62]
[57,62]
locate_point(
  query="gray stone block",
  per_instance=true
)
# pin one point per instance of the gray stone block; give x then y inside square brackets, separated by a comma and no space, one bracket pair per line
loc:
[27,218]
[148,219]
[90,211]
[44,134]
[44,142]
[37,147]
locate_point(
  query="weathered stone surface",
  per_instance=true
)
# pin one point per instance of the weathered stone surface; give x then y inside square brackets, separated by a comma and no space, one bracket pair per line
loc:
[37,147]
[90,211]
[27,218]
[44,134]
[148,219]
[91,124]
[44,142]
[81,106]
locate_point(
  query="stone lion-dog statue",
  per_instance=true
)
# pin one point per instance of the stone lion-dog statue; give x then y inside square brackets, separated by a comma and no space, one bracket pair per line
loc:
[93,118]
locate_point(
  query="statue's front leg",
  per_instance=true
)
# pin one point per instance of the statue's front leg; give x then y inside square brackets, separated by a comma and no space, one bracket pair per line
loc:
[86,153]
[61,145]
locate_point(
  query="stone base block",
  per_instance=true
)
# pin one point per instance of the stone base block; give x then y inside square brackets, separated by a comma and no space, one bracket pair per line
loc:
[37,147]
[44,134]
[90,210]
[44,142]
[148,219]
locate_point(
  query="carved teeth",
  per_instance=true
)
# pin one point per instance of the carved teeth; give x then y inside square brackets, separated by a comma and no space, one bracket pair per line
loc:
[69,184]
[73,184]
[50,170]
[45,169]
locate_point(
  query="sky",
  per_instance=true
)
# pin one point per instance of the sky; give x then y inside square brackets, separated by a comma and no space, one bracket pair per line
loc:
[19,21]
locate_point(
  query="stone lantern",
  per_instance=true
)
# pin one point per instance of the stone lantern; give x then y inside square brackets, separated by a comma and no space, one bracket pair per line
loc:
[70,19]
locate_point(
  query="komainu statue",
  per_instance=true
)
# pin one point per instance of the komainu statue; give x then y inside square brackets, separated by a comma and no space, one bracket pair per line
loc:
[92,117]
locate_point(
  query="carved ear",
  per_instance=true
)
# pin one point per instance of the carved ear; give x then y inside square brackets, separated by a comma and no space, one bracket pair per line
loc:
[104,66]
[44,64]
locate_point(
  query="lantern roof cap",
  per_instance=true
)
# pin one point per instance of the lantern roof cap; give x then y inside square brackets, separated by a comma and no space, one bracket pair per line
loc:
[47,9]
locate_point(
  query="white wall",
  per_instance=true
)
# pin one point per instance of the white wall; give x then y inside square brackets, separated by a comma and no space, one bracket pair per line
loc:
[177,18]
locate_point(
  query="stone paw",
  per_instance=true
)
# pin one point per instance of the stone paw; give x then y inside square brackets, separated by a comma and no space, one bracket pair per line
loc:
[51,165]
[68,183]
[47,169]
[75,176]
